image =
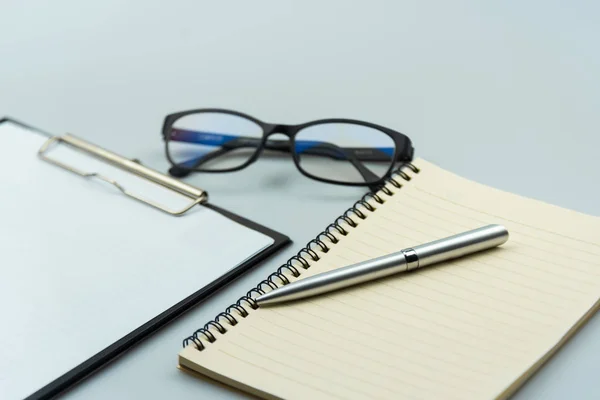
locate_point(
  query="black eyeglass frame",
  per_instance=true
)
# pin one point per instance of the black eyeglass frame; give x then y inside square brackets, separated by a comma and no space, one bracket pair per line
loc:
[403,151]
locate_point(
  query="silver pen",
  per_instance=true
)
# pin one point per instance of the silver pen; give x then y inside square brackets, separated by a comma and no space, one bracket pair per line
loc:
[405,260]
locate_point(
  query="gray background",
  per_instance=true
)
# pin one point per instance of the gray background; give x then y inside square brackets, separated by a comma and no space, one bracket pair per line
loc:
[503,93]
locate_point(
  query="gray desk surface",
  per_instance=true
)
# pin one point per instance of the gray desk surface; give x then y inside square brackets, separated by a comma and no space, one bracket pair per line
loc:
[506,94]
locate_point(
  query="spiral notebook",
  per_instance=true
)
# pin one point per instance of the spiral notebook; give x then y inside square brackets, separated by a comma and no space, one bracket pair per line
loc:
[477,327]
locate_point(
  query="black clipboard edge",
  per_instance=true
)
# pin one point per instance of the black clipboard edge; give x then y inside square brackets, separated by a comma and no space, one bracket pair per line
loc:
[116,349]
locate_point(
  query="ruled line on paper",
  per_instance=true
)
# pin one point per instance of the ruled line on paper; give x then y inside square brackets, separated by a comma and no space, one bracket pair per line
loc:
[529,288]
[514,251]
[513,233]
[382,327]
[405,347]
[507,219]
[280,375]
[391,325]
[281,344]
[420,200]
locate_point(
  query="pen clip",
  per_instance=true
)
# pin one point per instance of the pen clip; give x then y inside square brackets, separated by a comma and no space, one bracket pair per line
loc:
[199,196]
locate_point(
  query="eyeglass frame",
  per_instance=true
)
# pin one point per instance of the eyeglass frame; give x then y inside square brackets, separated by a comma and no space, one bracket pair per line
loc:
[403,149]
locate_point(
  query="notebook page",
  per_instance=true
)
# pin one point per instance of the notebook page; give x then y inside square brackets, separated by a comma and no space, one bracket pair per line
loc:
[469,328]
[81,265]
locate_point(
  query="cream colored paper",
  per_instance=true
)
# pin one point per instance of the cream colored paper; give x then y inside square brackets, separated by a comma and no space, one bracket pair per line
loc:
[472,328]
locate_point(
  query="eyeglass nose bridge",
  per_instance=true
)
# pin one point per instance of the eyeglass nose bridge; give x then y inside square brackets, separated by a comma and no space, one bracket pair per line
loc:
[277,145]
[271,129]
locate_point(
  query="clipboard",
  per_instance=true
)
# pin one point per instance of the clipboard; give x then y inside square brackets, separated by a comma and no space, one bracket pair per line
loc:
[197,197]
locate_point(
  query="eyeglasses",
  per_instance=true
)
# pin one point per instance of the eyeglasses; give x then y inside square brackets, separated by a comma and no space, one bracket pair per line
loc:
[339,151]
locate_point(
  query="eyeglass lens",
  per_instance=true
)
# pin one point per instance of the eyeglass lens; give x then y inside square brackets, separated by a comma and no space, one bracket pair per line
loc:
[344,152]
[213,141]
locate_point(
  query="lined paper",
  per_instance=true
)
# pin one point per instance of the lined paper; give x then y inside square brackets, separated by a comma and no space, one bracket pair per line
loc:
[471,328]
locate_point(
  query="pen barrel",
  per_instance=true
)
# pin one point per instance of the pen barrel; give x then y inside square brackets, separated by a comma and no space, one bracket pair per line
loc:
[459,245]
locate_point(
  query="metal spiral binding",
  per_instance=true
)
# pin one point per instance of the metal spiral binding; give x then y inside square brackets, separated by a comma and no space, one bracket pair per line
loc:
[298,262]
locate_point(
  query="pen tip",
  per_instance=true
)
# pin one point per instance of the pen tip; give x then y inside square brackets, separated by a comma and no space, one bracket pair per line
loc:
[265,299]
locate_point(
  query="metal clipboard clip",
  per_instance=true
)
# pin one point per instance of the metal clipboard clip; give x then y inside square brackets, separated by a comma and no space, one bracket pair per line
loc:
[197,195]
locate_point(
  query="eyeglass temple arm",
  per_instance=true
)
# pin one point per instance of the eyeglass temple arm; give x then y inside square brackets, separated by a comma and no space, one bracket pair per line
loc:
[315,148]
[328,150]
[308,146]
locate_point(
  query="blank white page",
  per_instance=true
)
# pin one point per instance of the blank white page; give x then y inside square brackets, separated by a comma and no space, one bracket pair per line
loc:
[82,265]
[476,327]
